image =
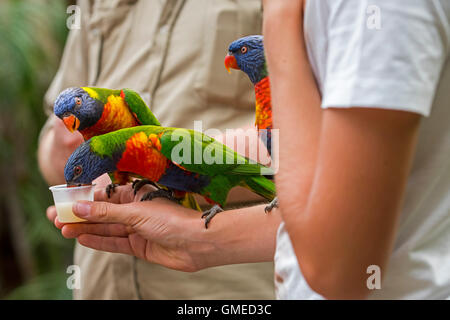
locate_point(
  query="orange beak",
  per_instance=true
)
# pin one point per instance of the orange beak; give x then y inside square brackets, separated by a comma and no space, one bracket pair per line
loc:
[230,62]
[71,122]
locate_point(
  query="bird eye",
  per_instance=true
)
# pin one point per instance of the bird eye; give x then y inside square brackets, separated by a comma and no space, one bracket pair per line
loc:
[77,170]
[244,50]
[78,101]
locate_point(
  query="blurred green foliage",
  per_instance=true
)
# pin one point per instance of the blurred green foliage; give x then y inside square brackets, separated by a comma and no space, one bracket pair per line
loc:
[33,254]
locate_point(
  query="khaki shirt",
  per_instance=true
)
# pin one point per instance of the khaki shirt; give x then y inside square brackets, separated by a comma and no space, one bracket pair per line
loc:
[172,53]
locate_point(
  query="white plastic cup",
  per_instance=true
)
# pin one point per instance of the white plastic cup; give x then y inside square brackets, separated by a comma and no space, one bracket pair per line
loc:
[65,197]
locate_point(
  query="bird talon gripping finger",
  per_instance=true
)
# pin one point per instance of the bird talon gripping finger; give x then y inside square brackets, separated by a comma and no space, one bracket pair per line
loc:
[111,188]
[97,111]
[160,193]
[139,183]
[147,151]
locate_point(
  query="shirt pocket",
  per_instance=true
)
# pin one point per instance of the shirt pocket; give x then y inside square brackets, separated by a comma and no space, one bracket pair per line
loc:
[104,17]
[226,21]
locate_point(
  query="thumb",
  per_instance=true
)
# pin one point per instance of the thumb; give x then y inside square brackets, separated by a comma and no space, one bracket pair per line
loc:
[97,211]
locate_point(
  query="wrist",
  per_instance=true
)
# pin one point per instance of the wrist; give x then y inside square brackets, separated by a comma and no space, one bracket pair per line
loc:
[233,237]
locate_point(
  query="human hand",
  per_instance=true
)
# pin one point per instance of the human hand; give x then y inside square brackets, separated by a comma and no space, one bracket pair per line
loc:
[100,183]
[158,231]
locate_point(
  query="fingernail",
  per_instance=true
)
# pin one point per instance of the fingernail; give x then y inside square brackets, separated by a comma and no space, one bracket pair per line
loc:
[82,209]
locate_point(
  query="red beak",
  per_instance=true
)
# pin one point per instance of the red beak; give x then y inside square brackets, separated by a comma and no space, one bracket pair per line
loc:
[230,62]
[71,122]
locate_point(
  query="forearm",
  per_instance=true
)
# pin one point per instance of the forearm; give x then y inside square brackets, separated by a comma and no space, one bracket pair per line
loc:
[240,236]
[296,104]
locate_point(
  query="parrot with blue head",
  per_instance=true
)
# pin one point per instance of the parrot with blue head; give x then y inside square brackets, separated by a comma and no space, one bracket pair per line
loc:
[96,111]
[154,153]
[247,54]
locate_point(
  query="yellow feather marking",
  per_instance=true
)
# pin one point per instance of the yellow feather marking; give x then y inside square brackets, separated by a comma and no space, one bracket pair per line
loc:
[91,92]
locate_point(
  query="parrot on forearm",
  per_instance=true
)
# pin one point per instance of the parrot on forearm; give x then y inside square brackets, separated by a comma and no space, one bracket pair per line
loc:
[247,54]
[179,159]
[96,111]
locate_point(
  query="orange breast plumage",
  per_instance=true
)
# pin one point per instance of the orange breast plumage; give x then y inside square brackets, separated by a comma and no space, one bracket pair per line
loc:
[142,156]
[116,115]
[263,111]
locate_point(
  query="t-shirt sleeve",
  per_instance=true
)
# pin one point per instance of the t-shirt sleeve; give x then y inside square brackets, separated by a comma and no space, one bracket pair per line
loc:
[385,54]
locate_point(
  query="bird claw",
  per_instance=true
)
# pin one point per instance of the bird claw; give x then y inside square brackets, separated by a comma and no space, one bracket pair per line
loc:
[160,193]
[209,214]
[110,188]
[138,184]
[273,204]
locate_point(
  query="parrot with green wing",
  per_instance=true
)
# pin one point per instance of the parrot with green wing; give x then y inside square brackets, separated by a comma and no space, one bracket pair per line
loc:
[96,111]
[179,159]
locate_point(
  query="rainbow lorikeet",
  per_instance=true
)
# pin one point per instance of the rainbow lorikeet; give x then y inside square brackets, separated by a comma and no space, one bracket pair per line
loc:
[247,54]
[180,159]
[96,111]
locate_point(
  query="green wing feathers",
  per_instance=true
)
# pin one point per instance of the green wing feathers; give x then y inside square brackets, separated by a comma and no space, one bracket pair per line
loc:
[261,185]
[139,108]
[196,152]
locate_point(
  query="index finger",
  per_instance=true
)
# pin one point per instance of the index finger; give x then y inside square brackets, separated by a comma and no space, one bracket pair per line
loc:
[121,194]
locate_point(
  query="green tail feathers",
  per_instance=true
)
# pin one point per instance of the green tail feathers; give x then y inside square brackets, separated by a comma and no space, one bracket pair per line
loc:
[262,186]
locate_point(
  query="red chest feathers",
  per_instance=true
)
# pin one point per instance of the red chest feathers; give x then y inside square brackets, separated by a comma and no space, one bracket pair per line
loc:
[142,156]
[116,115]
[263,111]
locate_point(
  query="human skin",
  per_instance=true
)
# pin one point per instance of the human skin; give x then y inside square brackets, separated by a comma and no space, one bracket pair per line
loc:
[163,232]
[341,182]
[355,164]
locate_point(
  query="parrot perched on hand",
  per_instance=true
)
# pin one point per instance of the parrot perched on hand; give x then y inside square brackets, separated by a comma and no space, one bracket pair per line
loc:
[180,159]
[96,111]
[247,54]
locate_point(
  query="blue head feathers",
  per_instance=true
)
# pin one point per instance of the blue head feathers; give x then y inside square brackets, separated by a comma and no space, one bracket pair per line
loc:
[249,54]
[77,109]
[84,165]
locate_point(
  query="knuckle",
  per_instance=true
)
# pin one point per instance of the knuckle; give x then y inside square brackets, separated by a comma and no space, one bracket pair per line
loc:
[101,210]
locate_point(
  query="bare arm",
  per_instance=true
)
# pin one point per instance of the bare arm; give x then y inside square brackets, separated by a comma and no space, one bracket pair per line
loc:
[343,172]
[356,197]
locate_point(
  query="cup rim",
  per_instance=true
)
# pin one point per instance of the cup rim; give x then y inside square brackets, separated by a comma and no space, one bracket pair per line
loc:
[63,187]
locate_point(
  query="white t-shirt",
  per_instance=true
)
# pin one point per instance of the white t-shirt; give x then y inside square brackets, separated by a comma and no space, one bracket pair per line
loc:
[391,55]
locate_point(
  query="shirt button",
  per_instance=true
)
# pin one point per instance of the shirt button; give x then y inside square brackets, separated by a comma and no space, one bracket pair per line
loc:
[164,29]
